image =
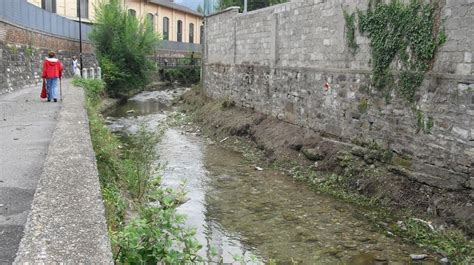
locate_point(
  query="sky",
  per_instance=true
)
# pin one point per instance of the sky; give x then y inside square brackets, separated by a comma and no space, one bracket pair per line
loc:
[193,4]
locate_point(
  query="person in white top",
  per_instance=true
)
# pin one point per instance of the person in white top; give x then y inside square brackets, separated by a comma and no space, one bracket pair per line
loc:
[76,67]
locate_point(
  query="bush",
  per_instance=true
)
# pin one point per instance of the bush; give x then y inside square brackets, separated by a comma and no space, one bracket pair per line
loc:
[183,75]
[143,222]
[94,88]
[122,45]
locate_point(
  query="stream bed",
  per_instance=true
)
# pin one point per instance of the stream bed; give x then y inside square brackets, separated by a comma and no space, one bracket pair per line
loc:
[241,213]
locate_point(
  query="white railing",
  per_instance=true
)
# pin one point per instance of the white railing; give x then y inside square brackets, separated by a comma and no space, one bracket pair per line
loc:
[92,73]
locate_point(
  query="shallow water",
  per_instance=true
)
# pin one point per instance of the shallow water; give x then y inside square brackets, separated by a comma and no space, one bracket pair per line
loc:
[242,213]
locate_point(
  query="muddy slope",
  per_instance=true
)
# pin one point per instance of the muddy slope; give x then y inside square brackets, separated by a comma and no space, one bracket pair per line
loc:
[372,171]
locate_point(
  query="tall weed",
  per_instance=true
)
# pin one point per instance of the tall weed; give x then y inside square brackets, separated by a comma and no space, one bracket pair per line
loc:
[122,45]
[144,225]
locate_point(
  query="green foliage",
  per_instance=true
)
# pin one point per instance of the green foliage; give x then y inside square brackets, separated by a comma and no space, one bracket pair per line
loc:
[350,32]
[122,45]
[13,49]
[420,120]
[363,105]
[450,242]
[423,124]
[94,88]
[29,51]
[138,165]
[182,75]
[200,9]
[227,103]
[407,32]
[429,125]
[156,234]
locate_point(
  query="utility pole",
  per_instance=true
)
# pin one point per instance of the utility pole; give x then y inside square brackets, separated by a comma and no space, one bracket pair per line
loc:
[80,35]
[245,6]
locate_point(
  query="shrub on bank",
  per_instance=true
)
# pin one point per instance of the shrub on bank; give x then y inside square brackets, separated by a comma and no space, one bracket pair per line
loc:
[182,75]
[122,45]
[143,223]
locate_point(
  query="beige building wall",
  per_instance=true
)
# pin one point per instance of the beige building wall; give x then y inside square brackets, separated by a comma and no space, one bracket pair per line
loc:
[68,8]
[159,12]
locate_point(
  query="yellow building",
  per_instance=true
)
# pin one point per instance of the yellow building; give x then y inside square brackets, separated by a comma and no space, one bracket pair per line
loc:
[69,8]
[174,22]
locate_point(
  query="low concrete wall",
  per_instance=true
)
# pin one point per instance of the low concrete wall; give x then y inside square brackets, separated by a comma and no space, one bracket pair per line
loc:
[67,219]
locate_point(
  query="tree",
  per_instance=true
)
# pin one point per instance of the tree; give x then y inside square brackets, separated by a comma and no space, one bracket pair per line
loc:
[200,9]
[122,44]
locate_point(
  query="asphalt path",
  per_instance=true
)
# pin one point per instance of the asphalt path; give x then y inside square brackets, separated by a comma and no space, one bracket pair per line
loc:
[26,128]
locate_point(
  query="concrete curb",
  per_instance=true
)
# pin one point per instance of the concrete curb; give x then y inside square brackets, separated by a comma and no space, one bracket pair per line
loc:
[67,219]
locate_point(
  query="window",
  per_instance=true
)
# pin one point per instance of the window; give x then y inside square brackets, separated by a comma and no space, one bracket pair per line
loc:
[132,13]
[179,37]
[201,36]
[191,33]
[49,5]
[166,28]
[150,19]
[83,5]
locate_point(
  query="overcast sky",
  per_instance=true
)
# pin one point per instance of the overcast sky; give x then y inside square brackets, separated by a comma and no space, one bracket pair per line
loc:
[193,4]
[190,3]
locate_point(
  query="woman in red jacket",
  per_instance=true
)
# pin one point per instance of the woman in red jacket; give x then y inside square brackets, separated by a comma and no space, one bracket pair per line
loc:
[52,72]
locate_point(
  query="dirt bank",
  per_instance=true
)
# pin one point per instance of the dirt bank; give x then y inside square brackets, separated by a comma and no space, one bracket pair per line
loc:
[367,168]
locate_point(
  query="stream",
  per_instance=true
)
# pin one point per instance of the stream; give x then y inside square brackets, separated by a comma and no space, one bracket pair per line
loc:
[244,214]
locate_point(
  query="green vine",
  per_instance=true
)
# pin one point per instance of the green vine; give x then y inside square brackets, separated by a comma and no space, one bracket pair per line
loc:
[423,124]
[407,32]
[350,32]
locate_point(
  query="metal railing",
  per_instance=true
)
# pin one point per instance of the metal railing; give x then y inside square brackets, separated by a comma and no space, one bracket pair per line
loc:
[170,62]
[179,46]
[24,14]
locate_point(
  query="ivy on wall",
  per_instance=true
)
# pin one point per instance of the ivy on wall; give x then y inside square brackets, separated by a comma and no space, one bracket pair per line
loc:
[408,33]
[350,32]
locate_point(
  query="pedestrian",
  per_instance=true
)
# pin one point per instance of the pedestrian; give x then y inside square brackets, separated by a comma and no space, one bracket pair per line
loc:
[76,68]
[52,72]
[192,58]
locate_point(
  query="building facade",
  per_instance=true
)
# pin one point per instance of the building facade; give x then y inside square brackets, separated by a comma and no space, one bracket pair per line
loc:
[69,8]
[172,21]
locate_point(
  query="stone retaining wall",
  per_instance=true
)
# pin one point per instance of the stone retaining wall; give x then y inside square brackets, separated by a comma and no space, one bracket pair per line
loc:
[22,52]
[292,61]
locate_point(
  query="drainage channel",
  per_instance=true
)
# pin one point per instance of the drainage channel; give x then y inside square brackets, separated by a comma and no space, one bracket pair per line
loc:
[256,216]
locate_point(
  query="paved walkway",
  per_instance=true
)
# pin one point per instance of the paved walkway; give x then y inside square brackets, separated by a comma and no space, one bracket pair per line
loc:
[66,223]
[50,200]
[26,127]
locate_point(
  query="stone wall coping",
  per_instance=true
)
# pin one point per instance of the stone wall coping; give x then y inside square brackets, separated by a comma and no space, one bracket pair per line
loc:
[67,223]
[233,9]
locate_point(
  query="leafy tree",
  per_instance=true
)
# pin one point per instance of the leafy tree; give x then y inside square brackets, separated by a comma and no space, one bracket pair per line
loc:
[200,9]
[122,44]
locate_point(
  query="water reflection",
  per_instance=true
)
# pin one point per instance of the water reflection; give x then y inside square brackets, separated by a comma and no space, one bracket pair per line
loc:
[183,156]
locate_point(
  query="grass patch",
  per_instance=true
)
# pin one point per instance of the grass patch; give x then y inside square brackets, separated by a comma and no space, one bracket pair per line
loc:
[451,243]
